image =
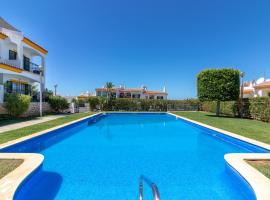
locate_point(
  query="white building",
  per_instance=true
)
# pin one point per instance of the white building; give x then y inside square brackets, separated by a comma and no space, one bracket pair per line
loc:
[259,88]
[17,70]
[138,93]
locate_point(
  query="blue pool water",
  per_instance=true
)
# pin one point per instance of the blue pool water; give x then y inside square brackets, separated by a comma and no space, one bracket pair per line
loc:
[102,159]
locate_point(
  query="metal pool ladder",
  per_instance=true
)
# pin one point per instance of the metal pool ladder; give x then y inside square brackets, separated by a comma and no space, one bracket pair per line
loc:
[152,185]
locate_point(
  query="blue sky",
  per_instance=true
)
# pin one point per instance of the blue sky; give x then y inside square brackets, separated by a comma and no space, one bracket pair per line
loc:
[135,42]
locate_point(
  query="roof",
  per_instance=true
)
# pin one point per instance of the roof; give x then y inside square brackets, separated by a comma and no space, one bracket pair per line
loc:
[248,91]
[6,25]
[155,92]
[132,90]
[263,85]
[121,89]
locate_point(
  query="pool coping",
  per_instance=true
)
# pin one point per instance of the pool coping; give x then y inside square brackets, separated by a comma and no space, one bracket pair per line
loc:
[12,181]
[258,182]
[31,161]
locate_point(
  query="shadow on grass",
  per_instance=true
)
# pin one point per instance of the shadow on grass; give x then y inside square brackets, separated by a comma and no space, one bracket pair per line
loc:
[222,116]
[7,120]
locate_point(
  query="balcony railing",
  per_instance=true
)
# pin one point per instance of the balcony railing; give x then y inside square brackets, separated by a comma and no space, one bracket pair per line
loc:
[12,63]
[34,68]
[31,67]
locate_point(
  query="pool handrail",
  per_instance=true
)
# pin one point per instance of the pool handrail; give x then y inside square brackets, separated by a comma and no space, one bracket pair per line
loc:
[153,186]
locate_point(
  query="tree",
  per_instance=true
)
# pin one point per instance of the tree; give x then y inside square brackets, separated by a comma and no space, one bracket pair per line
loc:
[93,103]
[218,85]
[109,86]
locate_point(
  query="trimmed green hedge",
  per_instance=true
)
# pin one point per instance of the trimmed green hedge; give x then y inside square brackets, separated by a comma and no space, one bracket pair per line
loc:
[230,108]
[257,108]
[226,107]
[260,108]
[122,104]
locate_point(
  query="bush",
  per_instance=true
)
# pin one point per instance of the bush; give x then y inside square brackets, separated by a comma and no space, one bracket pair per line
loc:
[17,104]
[123,104]
[93,102]
[58,103]
[218,85]
[260,108]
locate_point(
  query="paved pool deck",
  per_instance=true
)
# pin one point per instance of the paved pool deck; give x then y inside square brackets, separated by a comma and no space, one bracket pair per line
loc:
[38,120]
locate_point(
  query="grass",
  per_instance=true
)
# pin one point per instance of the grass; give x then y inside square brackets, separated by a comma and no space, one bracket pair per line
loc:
[8,165]
[262,165]
[246,127]
[15,134]
[5,120]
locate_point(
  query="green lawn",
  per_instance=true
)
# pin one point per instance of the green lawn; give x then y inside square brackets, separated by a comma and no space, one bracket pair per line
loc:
[8,165]
[246,127]
[6,120]
[14,134]
[262,166]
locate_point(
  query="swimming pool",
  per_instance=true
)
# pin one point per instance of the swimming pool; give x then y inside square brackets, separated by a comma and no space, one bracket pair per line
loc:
[102,158]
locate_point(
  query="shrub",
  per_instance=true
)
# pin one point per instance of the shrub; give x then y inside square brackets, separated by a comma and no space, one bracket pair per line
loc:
[17,104]
[123,104]
[93,102]
[218,85]
[58,103]
[260,108]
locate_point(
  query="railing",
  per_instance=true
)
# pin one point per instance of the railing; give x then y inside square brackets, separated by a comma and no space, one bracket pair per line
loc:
[34,68]
[12,63]
[153,186]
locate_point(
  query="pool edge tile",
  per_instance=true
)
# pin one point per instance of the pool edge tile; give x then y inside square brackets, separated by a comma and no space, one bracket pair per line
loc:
[258,182]
[12,181]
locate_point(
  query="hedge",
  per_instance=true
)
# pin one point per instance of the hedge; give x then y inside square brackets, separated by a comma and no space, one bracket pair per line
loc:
[257,108]
[260,108]
[229,108]
[122,104]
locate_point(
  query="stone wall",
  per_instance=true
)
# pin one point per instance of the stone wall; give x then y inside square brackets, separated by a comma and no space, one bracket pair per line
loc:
[33,109]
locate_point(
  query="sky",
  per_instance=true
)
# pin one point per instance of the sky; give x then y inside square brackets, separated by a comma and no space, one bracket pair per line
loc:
[144,42]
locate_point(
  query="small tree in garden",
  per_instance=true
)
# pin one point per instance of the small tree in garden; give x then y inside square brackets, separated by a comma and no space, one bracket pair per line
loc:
[17,104]
[93,102]
[58,103]
[109,86]
[218,85]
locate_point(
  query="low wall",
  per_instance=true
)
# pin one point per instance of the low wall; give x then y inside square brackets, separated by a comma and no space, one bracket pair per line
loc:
[33,109]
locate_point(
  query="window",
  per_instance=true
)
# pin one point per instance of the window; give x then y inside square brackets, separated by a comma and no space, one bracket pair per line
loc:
[121,95]
[14,87]
[12,55]
[127,95]
[159,97]
[26,63]
[136,96]
[98,93]
[151,97]
[269,94]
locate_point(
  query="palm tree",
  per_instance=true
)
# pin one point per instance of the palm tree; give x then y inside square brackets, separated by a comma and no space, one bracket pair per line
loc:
[109,86]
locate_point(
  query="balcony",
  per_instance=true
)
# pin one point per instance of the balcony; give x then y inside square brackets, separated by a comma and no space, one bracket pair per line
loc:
[27,66]
[32,67]
[11,63]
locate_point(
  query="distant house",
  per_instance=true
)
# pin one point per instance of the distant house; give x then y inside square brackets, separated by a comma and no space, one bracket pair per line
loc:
[259,88]
[85,95]
[18,72]
[136,93]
